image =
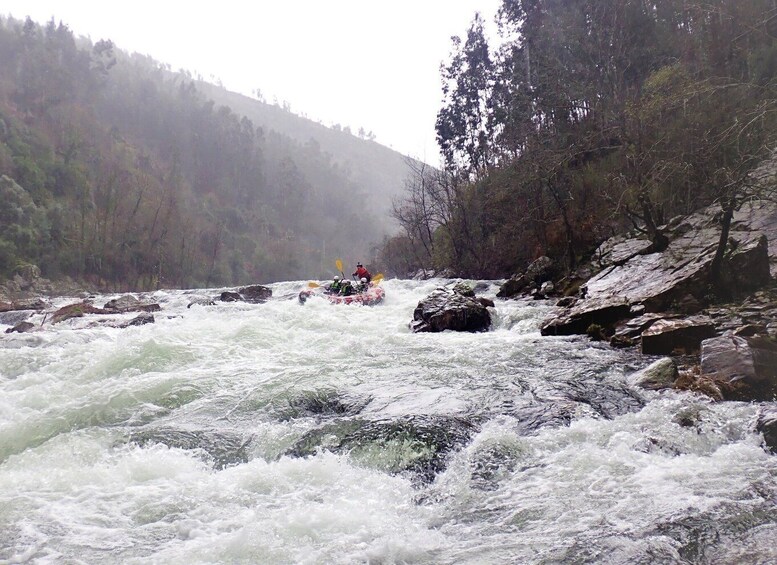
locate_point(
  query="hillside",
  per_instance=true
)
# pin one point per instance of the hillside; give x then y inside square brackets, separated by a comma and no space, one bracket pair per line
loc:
[372,165]
[123,174]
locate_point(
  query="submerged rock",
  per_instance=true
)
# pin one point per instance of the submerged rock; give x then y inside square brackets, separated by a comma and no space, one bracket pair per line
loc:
[444,310]
[415,444]
[224,447]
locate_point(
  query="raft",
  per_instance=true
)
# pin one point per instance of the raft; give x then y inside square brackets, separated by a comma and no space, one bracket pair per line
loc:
[369,297]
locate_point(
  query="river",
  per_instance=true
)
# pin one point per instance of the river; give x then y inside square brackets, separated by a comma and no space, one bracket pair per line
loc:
[288,433]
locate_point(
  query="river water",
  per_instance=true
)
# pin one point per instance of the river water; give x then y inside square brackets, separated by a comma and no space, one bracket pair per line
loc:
[288,433]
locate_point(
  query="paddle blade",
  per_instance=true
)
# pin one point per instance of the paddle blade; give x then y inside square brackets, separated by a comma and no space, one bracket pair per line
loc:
[339,264]
[312,284]
[377,278]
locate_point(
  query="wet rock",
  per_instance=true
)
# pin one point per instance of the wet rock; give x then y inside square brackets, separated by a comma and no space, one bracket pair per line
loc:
[767,425]
[566,302]
[322,404]
[21,327]
[658,375]
[129,303]
[607,399]
[139,320]
[744,368]
[36,304]
[657,280]
[75,311]
[464,289]
[13,317]
[255,294]
[540,270]
[685,335]
[444,310]
[225,448]
[200,300]
[487,302]
[416,444]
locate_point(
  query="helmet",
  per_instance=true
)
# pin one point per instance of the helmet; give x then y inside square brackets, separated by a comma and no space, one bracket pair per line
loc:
[358,264]
[337,278]
[364,279]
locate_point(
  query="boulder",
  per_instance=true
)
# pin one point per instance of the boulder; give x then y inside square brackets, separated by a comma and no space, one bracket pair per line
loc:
[75,311]
[21,327]
[128,303]
[14,317]
[540,270]
[660,374]
[657,280]
[744,368]
[445,309]
[683,335]
[139,320]
[767,425]
[255,294]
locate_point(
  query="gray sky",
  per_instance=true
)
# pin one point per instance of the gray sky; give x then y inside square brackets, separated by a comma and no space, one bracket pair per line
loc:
[357,63]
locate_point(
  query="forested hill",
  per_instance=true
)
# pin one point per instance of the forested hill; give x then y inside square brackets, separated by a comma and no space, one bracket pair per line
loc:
[590,117]
[370,164]
[117,171]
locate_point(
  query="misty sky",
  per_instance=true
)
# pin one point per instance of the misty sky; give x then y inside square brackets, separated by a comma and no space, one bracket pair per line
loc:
[357,63]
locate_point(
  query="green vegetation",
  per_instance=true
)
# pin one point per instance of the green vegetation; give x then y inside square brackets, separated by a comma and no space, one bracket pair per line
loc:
[116,171]
[592,116]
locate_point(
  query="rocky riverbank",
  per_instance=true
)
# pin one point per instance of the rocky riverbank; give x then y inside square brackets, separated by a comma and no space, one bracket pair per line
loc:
[722,333]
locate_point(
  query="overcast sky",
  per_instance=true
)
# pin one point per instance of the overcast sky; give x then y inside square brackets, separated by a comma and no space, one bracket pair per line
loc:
[359,63]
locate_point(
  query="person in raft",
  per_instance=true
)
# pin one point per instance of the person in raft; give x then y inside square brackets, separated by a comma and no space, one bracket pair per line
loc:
[335,286]
[362,273]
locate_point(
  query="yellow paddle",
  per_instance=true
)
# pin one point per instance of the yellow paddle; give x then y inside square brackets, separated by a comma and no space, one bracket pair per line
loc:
[339,265]
[377,278]
[312,284]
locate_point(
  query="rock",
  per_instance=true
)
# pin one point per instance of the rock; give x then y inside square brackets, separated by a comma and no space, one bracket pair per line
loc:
[139,320]
[416,444]
[255,294]
[129,303]
[665,336]
[634,327]
[200,300]
[487,302]
[567,302]
[464,289]
[28,304]
[540,270]
[577,320]
[767,425]
[14,317]
[750,330]
[657,280]
[660,374]
[444,310]
[74,311]
[744,368]
[618,250]
[21,327]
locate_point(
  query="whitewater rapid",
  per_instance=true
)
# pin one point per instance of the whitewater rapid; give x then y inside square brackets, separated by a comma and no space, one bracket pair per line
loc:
[288,433]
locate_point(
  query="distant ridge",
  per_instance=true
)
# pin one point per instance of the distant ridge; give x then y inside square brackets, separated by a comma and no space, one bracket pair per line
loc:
[380,170]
